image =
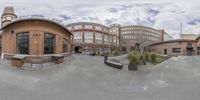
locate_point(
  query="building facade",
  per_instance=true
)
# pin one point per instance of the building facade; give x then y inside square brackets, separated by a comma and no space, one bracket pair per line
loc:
[90,37]
[139,34]
[33,36]
[179,47]
[113,38]
[189,36]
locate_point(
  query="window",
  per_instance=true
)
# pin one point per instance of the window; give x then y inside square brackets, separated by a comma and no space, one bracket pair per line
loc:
[49,43]
[88,26]
[65,46]
[9,18]
[99,38]
[23,43]
[176,50]
[69,28]
[78,27]
[98,28]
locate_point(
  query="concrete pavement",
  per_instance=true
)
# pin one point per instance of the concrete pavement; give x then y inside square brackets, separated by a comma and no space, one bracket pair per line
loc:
[87,78]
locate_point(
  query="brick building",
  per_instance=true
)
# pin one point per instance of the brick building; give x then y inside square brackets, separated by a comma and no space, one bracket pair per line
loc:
[32,36]
[90,37]
[179,47]
[113,38]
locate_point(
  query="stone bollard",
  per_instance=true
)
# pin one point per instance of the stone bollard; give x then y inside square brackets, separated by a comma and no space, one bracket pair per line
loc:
[105,58]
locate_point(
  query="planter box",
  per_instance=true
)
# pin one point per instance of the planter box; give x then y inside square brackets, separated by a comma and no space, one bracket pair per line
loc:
[132,67]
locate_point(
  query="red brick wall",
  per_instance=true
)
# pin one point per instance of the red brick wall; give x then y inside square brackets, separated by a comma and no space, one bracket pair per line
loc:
[33,27]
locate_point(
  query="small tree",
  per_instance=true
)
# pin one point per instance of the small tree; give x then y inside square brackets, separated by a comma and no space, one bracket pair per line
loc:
[133,58]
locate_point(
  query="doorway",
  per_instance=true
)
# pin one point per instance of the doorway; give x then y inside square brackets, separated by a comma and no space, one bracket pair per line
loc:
[78,49]
[165,51]
[189,51]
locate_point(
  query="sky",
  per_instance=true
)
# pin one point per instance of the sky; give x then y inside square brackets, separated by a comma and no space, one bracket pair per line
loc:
[159,14]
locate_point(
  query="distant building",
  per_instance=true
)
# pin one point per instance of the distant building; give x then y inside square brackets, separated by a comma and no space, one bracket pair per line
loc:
[139,34]
[189,36]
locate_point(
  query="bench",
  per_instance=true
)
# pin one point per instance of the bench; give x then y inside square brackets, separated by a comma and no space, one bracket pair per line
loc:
[57,58]
[34,60]
[114,64]
[18,61]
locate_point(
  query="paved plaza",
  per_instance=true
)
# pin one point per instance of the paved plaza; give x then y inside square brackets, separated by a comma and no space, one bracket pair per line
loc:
[87,78]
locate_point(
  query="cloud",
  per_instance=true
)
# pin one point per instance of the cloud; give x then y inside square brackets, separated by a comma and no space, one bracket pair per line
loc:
[158,14]
[194,22]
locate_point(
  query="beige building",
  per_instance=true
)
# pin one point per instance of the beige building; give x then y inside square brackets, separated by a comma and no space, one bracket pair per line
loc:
[140,34]
[189,36]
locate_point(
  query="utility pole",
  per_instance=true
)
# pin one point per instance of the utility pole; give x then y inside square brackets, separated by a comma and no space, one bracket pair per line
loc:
[181,29]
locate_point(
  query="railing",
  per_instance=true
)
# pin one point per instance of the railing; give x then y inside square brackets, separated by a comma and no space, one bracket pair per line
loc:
[35,58]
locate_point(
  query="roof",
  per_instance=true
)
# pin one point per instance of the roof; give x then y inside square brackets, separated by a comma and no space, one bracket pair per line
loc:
[86,23]
[198,38]
[36,19]
[172,41]
[140,26]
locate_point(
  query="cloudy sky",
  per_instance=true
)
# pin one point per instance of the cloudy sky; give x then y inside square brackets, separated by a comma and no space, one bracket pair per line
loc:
[158,14]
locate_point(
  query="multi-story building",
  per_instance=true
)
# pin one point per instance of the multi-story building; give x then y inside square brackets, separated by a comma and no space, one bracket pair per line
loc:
[113,38]
[90,37]
[139,34]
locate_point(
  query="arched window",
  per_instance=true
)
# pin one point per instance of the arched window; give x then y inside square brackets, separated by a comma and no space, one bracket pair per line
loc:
[22,43]
[49,43]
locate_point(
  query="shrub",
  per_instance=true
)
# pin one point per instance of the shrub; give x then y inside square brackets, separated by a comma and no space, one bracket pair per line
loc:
[98,53]
[153,57]
[133,57]
[116,53]
[105,53]
[146,56]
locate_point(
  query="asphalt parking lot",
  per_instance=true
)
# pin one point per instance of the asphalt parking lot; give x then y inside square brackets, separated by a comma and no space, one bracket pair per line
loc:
[87,78]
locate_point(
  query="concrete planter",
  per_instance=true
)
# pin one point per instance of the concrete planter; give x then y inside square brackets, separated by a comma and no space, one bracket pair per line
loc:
[132,67]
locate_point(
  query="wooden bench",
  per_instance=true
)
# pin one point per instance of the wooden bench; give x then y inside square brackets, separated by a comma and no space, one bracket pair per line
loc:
[58,58]
[18,61]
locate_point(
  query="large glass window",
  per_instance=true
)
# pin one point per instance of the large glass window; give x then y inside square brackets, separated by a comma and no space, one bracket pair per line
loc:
[49,43]
[23,43]
[88,37]
[65,46]
[176,50]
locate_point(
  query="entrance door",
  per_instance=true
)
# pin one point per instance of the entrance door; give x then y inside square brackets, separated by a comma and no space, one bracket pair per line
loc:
[189,51]
[165,51]
[78,49]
